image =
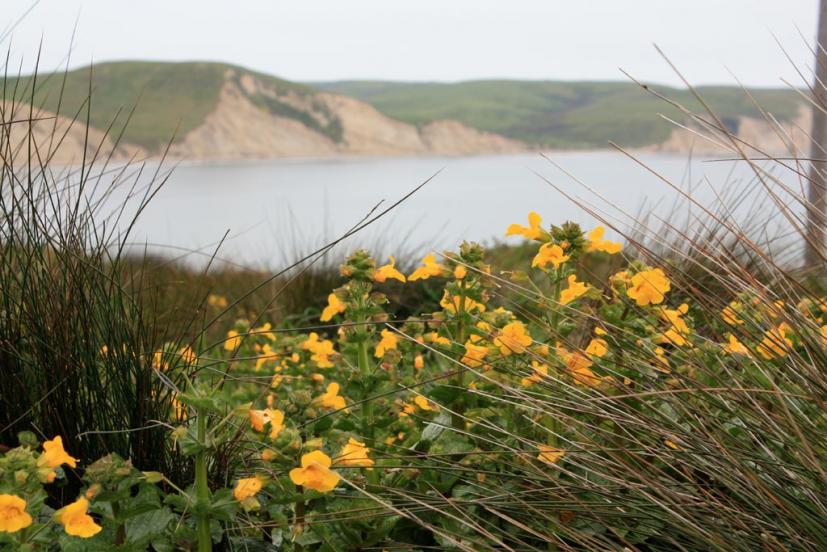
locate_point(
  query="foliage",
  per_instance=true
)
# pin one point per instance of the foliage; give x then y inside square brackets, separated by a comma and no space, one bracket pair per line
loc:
[560,114]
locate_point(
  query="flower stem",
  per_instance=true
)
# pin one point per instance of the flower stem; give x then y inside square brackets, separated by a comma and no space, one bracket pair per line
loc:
[202,489]
[458,406]
[367,406]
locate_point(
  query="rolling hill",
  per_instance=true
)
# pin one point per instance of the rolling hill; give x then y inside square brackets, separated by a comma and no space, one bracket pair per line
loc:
[560,114]
[216,111]
[219,111]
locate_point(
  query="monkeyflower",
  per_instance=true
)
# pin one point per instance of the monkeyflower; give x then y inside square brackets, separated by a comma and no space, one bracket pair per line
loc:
[321,350]
[331,398]
[247,487]
[452,303]
[76,521]
[54,455]
[334,306]
[354,455]
[597,347]
[260,418]
[775,342]
[188,355]
[315,473]
[649,287]
[13,514]
[389,341]
[549,254]
[730,314]
[531,232]
[573,291]
[474,354]
[513,338]
[597,243]
[579,366]
[388,271]
[233,341]
[429,268]
[550,455]
[735,347]
[678,330]
[538,372]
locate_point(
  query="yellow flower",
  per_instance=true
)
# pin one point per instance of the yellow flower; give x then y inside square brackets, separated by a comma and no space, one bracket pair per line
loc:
[775,342]
[315,473]
[388,271]
[53,455]
[433,337]
[265,330]
[539,371]
[188,355]
[218,301]
[730,314]
[649,287]
[597,243]
[513,339]
[474,354]
[322,350]
[331,398]
[452,303]
[597,347]
[579,366]
[549,253]
[260,418]
[429,268]
[334,307]
[354,454]
[735,347]
[423,403]
[550,455]
[678,330]
[267,354]
[419,362]
[246,488]
[575,290]
[389,341]
[13,515]
[158,361]
[76,521]
[233,341]
[531,232]
[460,272]
[661,362]
[95,489]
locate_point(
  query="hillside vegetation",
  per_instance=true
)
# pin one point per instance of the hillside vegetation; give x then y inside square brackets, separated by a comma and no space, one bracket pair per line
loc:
[169,98]
[559,114]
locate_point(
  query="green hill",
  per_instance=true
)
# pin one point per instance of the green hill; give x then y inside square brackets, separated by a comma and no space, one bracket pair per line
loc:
[559,114]
[178,97]
[166,96]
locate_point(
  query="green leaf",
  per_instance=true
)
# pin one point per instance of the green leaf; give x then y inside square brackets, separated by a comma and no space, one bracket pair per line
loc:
[143,528]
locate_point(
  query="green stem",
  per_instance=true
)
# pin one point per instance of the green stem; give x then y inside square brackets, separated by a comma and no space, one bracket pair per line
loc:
[202,489]
[556,312]
[367,406]
[457,421]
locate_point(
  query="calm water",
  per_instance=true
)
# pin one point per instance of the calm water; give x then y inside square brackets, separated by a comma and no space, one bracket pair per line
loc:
[271,207]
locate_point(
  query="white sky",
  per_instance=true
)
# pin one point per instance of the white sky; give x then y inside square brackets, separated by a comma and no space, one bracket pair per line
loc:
[442,40]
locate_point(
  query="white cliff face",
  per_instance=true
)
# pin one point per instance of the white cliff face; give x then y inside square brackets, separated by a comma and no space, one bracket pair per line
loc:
[756,136]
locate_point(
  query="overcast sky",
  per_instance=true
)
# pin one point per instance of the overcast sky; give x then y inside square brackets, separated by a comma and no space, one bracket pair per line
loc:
[443,40]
